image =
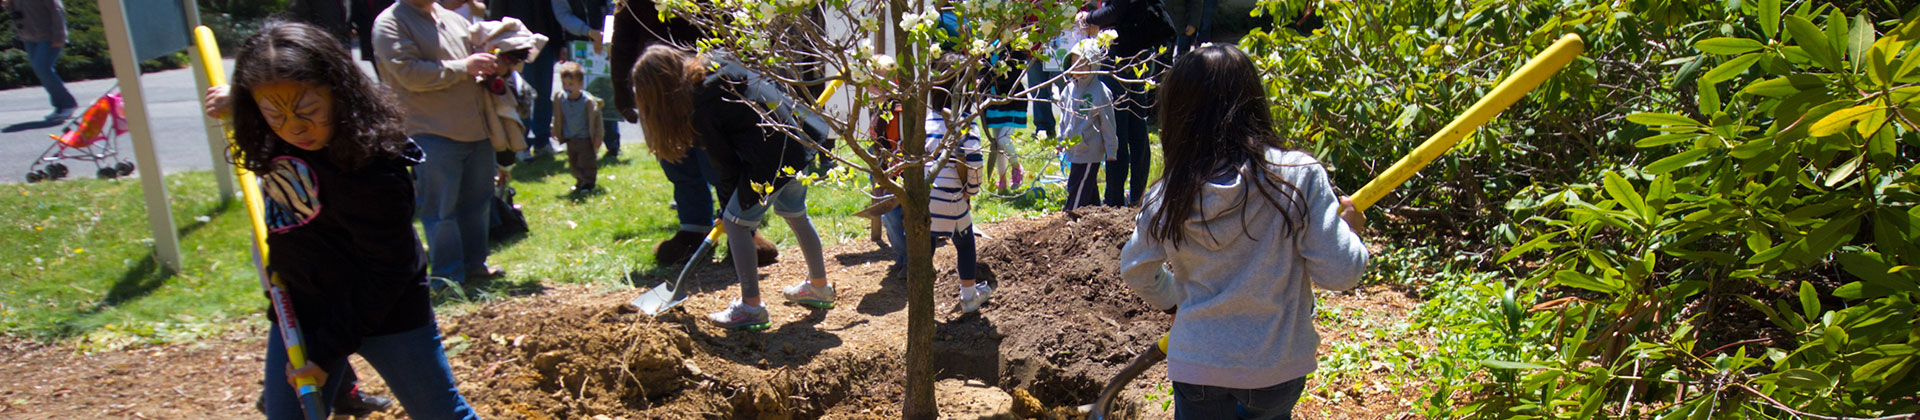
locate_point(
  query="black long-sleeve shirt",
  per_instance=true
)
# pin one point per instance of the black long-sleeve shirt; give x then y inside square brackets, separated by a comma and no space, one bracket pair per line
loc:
[742,151]
[343,241]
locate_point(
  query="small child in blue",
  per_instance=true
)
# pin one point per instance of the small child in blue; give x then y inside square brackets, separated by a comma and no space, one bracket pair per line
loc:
[576,121]
[1087,121]
[1236,233]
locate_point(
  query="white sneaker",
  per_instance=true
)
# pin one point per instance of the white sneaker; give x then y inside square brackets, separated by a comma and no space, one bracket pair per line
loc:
[972,303]
[805,294]
[740,316]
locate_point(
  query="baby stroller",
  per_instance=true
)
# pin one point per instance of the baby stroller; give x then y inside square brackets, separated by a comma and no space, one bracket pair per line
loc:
[87,138]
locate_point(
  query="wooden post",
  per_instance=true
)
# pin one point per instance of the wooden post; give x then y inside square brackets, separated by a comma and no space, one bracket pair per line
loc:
[166,240]
[216,136]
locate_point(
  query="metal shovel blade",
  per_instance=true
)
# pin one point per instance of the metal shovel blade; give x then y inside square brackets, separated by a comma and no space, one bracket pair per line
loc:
[668,295]
[1103,405]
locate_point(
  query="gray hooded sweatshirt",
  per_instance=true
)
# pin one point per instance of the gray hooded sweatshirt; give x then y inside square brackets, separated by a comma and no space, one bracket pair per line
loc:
[1244,287]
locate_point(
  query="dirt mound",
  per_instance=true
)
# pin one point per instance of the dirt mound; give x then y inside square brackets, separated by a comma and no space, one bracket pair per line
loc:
[544,358]
[1061,321]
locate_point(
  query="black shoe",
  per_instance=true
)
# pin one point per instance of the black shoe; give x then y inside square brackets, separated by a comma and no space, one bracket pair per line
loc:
[358,404]
[612,154]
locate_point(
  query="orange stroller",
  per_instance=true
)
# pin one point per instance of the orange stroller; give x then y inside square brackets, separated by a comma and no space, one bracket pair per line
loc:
[88,138]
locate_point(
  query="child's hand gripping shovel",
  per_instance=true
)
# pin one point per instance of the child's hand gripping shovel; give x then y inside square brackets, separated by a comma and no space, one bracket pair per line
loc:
[670,294]
[1523,81]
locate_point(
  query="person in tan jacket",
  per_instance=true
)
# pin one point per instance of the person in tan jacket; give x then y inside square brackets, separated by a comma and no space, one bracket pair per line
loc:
[576,122]
[423,55]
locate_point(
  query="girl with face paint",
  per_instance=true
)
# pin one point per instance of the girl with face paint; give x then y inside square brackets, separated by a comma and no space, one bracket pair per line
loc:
[333,161]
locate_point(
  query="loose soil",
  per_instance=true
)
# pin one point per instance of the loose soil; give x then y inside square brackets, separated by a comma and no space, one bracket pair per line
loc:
[1060,324]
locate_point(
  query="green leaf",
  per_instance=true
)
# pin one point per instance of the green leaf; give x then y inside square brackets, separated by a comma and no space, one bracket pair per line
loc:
[1661,119]
[1784,86]
[1665,139]
[1501,364]
[1528,246]
[1834,123]
[1809,300]
[1840,173]
[1622,191]
[1732,68]
[1677,161]
[1728,46]
[1813,41]
[1769,254]
[1835,231]
[1803,379]
[1769,17]
[1858,40]
[1572,278]
[1835,338]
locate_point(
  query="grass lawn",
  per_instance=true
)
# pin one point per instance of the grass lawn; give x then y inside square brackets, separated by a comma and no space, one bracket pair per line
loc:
[75,256]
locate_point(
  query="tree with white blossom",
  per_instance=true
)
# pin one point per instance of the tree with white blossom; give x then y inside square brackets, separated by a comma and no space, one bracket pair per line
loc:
[806,45]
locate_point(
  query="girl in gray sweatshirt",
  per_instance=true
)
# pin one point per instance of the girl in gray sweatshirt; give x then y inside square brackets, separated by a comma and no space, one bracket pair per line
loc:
[1235,234]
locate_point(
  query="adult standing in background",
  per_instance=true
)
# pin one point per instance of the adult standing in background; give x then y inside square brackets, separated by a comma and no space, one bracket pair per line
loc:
[361,13]
[330,15]
[1144,26]
[425,59]
[538,16]
[41,25]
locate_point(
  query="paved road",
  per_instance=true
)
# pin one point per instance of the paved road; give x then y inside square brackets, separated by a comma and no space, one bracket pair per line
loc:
[173,106]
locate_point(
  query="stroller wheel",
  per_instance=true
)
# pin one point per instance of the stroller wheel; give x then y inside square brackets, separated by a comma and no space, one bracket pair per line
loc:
[125,168]
[36,176]
[56,171]
[107,173]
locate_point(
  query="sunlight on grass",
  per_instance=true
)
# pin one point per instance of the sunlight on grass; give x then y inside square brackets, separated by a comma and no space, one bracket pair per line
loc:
[76,254]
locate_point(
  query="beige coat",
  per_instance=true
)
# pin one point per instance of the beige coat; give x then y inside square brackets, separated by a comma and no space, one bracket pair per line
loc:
[419,56]
[595,128]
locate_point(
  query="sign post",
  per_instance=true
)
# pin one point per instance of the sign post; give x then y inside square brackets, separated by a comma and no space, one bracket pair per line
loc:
[155,39]
[216,136]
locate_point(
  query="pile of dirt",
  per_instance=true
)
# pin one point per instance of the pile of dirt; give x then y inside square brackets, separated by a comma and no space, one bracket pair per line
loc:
[1061,322]
[559,358]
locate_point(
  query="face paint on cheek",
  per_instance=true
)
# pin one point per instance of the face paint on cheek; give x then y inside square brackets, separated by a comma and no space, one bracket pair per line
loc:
[302,112]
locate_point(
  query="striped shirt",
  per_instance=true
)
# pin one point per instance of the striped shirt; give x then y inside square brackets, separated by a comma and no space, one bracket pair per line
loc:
[950,198]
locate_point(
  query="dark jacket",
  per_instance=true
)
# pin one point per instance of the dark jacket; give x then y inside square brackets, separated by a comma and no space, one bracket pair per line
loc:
[363,12]
[536,14]
[741,150]
[591,13]
[326,14]
[1143,25]
[343,241]
[635,26]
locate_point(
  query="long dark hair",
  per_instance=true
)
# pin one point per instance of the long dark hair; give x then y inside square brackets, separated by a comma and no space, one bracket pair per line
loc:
[367,123]
[664,79]
[1214,120]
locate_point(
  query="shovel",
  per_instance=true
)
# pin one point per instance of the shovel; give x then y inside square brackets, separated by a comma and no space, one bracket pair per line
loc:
[1510,90]
[668,295]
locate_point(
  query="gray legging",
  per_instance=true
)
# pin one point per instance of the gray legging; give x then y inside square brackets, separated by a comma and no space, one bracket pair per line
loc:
[746,263]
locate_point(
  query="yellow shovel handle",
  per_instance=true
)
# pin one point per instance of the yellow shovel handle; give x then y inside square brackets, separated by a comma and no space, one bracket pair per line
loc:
[1530,76]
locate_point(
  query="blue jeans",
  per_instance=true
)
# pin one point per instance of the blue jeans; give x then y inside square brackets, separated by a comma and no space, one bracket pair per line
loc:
[612,131]
[692,189]
[455,194]
[965,250]
[42,56]
[539,73]
[1191,402]
[1201,19]
[1042,108]
[412,362]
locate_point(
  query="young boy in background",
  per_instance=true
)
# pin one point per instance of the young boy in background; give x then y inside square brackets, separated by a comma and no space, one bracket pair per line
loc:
[576,122]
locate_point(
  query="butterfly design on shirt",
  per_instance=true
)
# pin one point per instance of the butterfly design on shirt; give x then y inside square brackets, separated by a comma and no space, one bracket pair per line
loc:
[293,196]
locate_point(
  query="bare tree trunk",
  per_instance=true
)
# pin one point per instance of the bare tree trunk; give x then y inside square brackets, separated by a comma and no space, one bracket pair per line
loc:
[919,402]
